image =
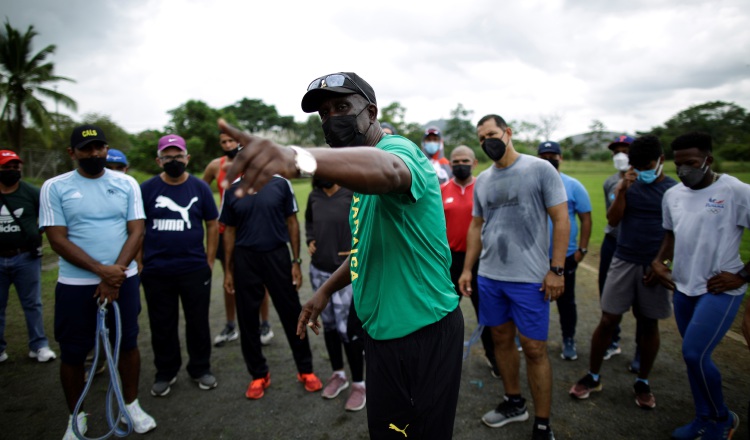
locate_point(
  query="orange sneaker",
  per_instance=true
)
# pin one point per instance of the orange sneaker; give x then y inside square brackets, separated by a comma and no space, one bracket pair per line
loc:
[311,381]
[256,388]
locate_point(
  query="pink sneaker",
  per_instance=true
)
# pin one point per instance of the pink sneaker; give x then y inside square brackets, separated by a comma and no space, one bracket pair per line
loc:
[357,398]
[336,384]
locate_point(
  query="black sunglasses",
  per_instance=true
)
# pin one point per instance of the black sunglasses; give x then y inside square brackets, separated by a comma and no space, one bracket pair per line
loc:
[335,80]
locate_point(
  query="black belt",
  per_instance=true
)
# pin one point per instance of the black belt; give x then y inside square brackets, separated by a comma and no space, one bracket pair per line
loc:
[13,252]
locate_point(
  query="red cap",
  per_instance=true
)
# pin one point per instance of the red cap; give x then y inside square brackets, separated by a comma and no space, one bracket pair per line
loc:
[7,155]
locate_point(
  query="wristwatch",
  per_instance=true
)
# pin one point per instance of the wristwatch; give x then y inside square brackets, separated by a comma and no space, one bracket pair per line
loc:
[557,270]
[297,260]
[583,251]
[304,161]
[745,276]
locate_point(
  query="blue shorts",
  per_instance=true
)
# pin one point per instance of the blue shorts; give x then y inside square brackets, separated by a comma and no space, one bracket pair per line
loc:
[522,303]
[76,312]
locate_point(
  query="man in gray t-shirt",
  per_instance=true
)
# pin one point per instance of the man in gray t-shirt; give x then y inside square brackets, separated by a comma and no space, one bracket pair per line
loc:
[512,200]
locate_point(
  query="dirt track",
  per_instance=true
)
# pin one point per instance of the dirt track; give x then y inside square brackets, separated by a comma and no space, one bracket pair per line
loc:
[32,405]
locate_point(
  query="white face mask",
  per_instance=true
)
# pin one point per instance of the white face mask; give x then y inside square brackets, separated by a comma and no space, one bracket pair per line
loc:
[622,163]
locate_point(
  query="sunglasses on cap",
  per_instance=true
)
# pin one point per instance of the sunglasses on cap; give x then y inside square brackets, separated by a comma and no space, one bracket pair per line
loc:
[335,80]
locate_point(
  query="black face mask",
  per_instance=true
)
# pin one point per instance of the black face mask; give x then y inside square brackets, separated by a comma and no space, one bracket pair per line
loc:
[323,183]
[92,165]
[10,177]
[174,168]
[494,148]
[342,131]
[232,153]
[555,163]
[462,172]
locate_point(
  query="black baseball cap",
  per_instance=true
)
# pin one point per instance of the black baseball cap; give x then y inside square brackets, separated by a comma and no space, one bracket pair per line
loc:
[341,83]
[86,134]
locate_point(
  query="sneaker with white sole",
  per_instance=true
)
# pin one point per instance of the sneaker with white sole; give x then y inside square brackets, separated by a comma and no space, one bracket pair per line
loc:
[336,384]
[3,356]
[228,334]
[506,412]
[44,354]
[266,334]
[162,387]
[82,423]
[142,422]
[357,398]
[613,350]
[206,382]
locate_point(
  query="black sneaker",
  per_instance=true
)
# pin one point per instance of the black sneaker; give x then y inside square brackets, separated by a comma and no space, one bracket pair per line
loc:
[542,434]
[584,387]
[506,412]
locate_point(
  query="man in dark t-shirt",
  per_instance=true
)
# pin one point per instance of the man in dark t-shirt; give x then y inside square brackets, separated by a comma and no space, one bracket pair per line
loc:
[258,229]
[630,280]
[176,267]
[21,265]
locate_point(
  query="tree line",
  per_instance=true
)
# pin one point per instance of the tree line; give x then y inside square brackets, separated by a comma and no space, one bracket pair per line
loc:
[27,79]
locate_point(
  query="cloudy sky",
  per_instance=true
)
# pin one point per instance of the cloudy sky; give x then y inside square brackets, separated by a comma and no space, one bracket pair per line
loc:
[630,64]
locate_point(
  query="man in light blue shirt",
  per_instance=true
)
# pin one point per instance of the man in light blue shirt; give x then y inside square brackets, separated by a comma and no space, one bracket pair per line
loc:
[579,204]
[94,220]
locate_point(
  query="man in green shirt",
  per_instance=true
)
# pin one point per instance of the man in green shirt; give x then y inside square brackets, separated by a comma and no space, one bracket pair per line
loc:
[399,261]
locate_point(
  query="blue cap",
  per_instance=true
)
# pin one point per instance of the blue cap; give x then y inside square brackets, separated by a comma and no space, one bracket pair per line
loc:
[549,147]
[116,156]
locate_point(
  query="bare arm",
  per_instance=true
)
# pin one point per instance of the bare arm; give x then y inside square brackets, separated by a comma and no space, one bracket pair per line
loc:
[473,248]
[367,170]
[212,171]
[212,241]
[584,235]
[553,284]
[293,227]
[312,309]
[136,230]
[230,234]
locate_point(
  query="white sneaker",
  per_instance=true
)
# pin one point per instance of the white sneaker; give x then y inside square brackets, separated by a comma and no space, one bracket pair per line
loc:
[44,354]
[3,356]
[142,422]
[82,426]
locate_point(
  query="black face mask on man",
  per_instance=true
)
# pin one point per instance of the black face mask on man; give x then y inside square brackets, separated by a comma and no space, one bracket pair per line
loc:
[494,148]
[342,131]
[92,165]
[690,176]
[10,177]
[461,172]
[555,163]
[232,153]
[174,168]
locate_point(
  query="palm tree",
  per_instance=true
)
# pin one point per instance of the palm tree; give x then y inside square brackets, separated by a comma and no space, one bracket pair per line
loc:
[24,78]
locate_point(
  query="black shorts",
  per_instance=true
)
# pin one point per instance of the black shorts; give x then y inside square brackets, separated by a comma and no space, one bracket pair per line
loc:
[413,382]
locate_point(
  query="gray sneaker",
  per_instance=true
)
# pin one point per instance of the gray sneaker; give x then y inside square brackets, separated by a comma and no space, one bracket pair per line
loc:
[3,356]
[162,387]
[613,350]
[506,412]
[266,334]
[206,382]
[228,334]
[569,352]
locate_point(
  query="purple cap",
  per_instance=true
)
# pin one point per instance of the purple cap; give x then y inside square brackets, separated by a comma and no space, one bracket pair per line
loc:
[172,140]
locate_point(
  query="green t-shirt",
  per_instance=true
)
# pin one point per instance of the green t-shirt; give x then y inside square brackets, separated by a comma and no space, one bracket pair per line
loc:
[400,257]
[24,202]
